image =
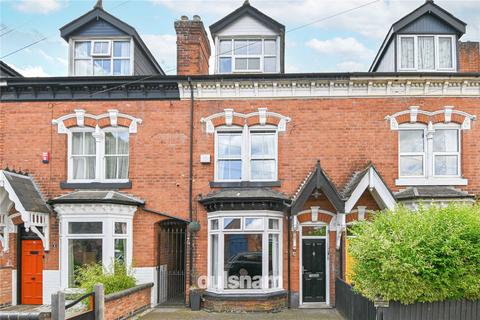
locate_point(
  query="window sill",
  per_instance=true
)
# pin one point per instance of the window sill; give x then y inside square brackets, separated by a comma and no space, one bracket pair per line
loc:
[431,182]
[95,185]
[244,184]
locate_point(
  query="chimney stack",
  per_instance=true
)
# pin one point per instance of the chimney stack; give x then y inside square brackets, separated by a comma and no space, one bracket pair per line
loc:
[469,56]
[193,47]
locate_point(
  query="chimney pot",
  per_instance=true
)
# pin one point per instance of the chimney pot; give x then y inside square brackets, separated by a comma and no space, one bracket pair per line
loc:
[197,18]
[184,18]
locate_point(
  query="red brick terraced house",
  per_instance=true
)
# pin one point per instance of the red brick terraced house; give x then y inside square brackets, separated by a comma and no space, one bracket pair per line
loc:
[242,182]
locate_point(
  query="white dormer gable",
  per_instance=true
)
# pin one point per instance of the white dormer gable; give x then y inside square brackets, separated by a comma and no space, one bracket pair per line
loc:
[247,26]
[248,41]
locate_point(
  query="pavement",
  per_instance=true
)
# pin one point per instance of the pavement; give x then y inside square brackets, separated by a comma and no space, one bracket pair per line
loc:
[187,314]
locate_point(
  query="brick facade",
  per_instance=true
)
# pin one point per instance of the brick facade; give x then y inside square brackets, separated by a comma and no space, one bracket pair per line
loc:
[344,134]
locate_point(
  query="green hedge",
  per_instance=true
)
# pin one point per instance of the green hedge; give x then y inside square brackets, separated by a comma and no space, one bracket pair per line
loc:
[91,274]
[431,254]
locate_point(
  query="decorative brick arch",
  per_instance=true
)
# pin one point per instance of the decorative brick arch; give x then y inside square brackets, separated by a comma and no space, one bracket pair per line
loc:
[315,214]
[415,115]
[112,118]
[230,118]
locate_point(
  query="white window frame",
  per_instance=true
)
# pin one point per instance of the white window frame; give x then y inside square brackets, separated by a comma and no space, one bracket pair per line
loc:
[423,154]
[226,131]
[246,157]
[107,54]
[93,57]
[430,178]
[458,153]
[108,244]
[415,49]
[259,131]
[262,55]
[104,156]
[100,162]
[265,232]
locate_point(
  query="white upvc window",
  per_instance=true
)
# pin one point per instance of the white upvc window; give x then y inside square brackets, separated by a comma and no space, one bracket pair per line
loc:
[248,55]
[97,233]
[429,155]
[102,57]
[98,156]
[245,251]
[246,154]
[426,53]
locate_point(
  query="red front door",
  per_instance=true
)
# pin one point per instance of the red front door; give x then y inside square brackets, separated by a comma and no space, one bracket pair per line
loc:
[32,267]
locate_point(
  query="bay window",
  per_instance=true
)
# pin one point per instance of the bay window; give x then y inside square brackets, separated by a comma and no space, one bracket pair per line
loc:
[98,156]
[426,53]
[245,252]
[429,154]
[93,238]
[102,57]
[247,55]
[248,154]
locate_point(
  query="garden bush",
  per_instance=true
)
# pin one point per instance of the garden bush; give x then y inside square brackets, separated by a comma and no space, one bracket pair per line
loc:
[91,274]
[431,254]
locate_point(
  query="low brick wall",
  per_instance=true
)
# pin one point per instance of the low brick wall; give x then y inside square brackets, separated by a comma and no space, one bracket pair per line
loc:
[271,302]
[127,303]
[5,286]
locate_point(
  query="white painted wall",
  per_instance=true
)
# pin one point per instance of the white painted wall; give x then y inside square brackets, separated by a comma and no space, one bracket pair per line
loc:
[246,26]
[146,275]
[51,284]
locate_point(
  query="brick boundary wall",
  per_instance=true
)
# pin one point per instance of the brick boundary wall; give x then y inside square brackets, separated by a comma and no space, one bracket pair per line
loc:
[5,286]
[127,303]
[215,303]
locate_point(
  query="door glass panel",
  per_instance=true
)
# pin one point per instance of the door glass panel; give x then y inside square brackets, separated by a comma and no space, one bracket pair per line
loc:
[243,259]
[318,231]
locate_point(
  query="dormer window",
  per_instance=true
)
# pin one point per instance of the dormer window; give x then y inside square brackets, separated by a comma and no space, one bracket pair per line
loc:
[426,53]
[102,57]
[248,55]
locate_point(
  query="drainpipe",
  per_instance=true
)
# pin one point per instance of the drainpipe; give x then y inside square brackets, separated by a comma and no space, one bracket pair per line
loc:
[190,181]
[289,226]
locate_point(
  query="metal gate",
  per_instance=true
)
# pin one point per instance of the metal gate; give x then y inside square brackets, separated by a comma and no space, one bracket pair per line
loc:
[171,262]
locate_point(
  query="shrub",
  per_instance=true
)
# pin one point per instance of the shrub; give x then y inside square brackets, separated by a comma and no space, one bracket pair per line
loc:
[431,254]
[91,274]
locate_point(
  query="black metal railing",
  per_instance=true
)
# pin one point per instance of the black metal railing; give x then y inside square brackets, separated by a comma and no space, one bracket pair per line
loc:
[83,315]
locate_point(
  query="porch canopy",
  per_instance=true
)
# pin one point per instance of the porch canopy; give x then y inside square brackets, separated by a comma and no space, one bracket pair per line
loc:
[19,191]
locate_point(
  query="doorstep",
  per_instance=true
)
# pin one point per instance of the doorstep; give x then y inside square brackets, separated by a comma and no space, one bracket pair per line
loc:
[315,305]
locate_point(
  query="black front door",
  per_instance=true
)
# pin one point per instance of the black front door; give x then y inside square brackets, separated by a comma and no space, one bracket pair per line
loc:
[313,275]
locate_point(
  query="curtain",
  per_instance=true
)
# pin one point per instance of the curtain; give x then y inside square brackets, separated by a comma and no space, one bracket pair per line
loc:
[407,57]
[445,52]
[426,53]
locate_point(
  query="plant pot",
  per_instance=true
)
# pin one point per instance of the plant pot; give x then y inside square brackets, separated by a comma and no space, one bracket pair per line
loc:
[195,300]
